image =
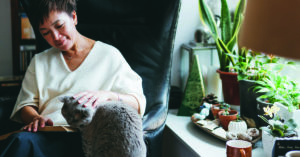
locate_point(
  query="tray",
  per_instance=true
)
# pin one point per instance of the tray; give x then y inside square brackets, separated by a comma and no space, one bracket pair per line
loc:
[220,137]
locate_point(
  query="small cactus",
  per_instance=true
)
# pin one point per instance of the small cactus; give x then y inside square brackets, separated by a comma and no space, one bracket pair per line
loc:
[211,99]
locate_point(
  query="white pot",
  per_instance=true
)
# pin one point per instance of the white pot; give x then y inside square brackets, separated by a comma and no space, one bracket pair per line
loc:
[268,143]
[286,115]
[237,127]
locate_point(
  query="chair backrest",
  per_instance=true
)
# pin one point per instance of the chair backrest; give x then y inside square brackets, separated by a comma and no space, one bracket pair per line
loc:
[142,30]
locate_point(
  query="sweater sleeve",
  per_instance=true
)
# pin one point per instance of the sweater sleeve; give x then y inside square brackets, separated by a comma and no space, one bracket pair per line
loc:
[129,82]
[28,94]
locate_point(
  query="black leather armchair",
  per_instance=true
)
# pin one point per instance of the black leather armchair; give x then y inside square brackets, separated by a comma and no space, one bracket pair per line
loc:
[144,32]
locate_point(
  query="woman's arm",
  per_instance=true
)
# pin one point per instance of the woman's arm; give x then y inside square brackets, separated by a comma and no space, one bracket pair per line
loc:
[95,97]
[28,113]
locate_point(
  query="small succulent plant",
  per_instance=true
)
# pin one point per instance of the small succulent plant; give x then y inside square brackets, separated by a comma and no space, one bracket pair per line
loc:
[211,99]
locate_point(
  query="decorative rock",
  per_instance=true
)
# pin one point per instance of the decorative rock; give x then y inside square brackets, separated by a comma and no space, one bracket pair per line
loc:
[253,132]
[244,136]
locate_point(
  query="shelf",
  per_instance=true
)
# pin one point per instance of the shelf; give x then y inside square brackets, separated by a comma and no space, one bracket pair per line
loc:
[27,42]
[22,49]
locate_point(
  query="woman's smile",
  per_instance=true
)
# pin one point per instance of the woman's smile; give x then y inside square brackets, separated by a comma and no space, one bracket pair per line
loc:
[59,30]
[60,43]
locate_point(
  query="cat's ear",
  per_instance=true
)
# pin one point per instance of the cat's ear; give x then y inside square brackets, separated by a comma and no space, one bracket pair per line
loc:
[62,98]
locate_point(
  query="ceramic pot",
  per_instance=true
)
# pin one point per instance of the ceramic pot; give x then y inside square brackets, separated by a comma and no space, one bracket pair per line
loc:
[230,87]
[268,143]
[286,115]
[248,103]
[261,103]
[237,127]
[225,119]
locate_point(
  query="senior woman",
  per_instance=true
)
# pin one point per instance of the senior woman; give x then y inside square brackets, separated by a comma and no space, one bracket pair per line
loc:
[75,65]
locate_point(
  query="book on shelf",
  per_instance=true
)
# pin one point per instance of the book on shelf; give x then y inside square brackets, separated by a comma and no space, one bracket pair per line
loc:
[10,86]
[26,54]
[26,28]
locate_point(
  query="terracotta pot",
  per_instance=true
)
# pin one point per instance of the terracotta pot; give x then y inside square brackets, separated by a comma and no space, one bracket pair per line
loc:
[225,119]
[215,109]
[230,87]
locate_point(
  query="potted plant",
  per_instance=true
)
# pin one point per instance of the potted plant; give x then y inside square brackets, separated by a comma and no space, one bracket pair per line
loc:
[226,116]
[251,68]
[216,108]
[278,88]
[226,44]
[276,128]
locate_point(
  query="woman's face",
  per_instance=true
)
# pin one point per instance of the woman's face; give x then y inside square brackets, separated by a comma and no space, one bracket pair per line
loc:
[59,30]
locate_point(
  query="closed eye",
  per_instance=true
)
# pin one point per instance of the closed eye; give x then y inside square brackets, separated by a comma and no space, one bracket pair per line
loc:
[59,26]
[44,34]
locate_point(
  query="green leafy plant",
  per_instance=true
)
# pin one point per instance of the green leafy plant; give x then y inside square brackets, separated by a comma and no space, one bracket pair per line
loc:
[224,105]
[277,88]
[255,66]
[238,118]
[226,36]
[276,126]
[226,112]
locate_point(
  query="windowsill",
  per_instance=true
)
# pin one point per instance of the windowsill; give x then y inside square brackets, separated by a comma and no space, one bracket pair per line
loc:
[191,138]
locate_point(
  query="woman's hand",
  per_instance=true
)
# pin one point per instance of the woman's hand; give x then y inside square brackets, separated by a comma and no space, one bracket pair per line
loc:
[36,122]
[95,97]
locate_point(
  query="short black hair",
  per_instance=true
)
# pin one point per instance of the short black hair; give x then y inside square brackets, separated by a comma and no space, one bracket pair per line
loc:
[40,9]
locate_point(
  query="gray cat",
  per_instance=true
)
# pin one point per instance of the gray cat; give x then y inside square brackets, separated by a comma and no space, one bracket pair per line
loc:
[113,129]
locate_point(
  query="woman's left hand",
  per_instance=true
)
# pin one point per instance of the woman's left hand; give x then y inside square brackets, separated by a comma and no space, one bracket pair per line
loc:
[94,97]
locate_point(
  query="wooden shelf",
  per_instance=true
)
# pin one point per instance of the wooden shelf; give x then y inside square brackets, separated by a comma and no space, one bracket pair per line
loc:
[16,14]
[27,42]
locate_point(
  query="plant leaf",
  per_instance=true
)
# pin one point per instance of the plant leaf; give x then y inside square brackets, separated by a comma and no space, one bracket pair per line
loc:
[238,15]
[207,18]
[278,132]
[225,50]
[291,124]
[225,22]
[236,23]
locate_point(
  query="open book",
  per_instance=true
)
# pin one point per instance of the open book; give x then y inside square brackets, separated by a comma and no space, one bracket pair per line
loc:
[46,129]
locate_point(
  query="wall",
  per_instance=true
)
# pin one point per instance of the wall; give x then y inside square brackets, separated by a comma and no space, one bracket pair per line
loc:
[188,23]
[5,39]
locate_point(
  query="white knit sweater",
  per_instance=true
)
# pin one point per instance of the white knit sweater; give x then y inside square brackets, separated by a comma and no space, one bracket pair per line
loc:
[48,77]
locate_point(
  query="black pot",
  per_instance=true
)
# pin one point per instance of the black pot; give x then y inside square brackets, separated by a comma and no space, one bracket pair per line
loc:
[261,103]
[248,101]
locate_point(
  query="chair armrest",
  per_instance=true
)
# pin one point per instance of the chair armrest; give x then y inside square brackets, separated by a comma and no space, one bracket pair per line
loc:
[155,118]
[6,107]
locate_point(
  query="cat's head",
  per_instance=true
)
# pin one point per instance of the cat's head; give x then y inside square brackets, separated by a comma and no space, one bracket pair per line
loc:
[75,114]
